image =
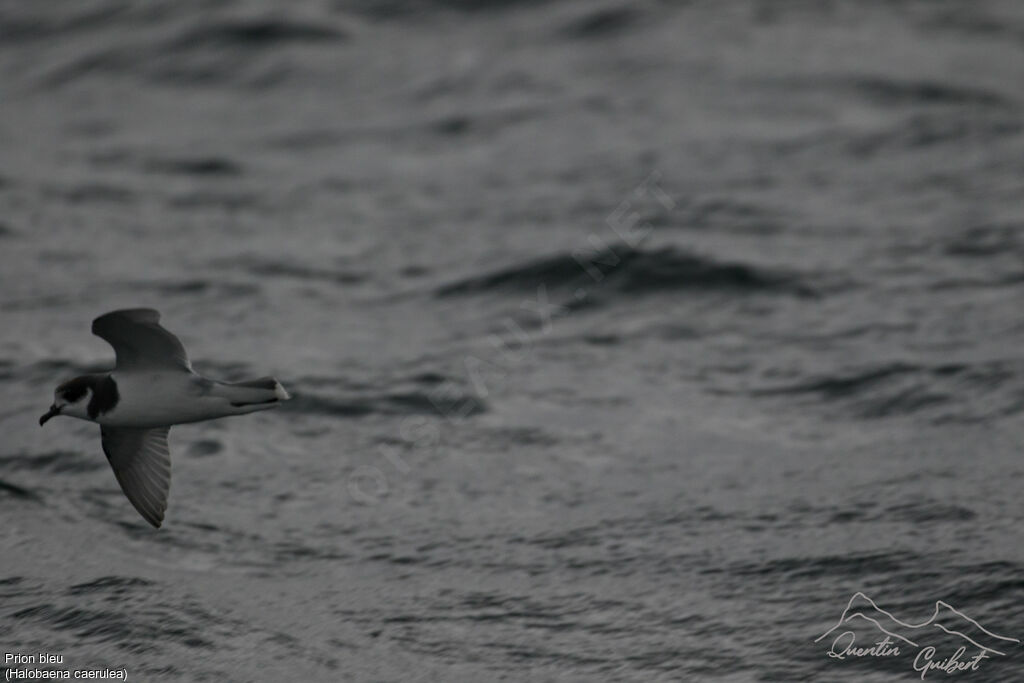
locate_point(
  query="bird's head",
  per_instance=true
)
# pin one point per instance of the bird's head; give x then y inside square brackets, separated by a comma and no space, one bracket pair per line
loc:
[70,398]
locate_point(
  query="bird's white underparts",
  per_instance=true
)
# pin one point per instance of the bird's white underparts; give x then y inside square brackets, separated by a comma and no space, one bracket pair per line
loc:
[151,388]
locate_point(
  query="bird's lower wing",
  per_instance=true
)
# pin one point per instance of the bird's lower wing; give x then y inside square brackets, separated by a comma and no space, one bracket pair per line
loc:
[142,464]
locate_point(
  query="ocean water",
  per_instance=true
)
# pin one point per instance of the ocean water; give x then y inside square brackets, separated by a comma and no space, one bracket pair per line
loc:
[628,340]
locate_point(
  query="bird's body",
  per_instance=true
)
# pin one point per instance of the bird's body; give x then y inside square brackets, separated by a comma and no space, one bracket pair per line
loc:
[163,398]
[152,388]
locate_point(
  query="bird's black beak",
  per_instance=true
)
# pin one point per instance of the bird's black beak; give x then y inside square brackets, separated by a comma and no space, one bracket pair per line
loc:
[52,412]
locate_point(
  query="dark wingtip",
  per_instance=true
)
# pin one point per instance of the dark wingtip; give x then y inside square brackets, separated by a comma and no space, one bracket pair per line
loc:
[153,521]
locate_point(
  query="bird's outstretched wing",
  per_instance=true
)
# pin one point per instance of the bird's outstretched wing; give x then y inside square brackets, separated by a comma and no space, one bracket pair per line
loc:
[140,342]
[142,465]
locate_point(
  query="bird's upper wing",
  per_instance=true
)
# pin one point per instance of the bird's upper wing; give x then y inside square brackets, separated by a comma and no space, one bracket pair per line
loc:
[140,342]
[142,465]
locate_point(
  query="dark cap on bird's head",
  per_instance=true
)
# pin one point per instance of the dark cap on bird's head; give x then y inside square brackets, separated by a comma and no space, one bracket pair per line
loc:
[101,390]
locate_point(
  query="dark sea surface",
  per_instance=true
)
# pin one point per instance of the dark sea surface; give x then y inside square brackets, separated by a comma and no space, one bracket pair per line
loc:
[628,340]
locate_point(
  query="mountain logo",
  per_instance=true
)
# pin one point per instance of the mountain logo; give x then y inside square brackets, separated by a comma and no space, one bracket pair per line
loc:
[946,623]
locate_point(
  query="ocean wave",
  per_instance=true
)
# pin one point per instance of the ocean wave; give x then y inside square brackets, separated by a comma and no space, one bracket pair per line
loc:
[108,584]
[94,193]
[205,448]
[988,582]
[24,22]
[923,129]
[269,267]
[196,166]
[931,129]
[214,199]
[460,404]
[192,287]
[601,22]
[424,393]
[254,33]
[855,565]
[983,241]
[634,272]
[667,269]
[400,9]
[842,385]
[137,630]
[53,461]
[16,491]
[945,392]
[727,215]
[926,511]
[479,121]
[894,92]
[989,282]
[218,51]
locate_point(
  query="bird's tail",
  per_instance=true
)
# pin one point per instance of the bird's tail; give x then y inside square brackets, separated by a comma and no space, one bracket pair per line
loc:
[254,394]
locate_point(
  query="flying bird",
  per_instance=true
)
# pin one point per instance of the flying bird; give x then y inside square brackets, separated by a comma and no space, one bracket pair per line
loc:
[151,388]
